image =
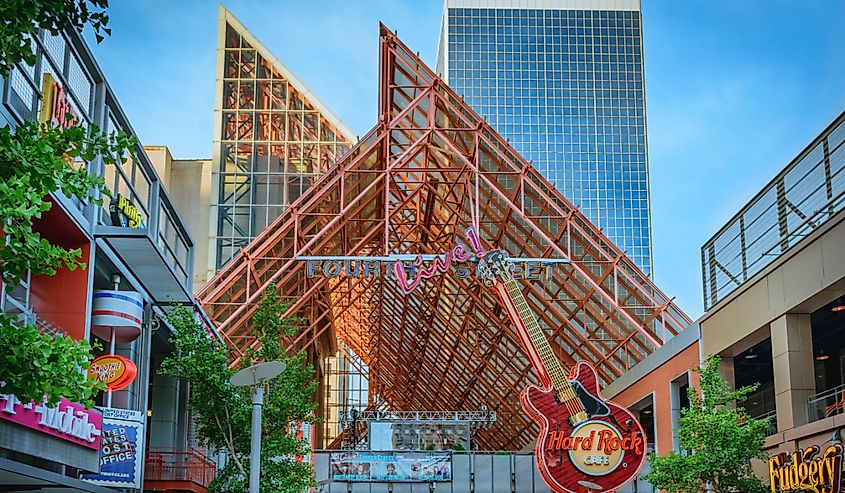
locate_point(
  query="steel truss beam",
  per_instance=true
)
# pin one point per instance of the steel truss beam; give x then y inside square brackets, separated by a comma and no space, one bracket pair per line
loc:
[430,169]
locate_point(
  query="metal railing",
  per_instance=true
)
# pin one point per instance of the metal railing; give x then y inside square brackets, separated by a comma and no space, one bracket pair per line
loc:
[825,404]
[800,199]
[168,465]
[69,61]
[772,416]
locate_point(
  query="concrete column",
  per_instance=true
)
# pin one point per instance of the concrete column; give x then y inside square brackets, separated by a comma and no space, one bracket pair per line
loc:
[164,424]
[726,371]
[792,355]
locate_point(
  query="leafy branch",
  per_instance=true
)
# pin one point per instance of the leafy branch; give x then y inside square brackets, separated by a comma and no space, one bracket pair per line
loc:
[722,439]
[20,21]
[35,161]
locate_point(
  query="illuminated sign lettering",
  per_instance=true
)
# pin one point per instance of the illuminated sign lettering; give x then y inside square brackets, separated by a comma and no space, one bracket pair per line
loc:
[343,267]
[124,214]
[807,471]
[114,370]
[55,105]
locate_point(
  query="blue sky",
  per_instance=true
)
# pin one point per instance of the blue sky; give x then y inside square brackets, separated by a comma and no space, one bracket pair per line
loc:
[734,90]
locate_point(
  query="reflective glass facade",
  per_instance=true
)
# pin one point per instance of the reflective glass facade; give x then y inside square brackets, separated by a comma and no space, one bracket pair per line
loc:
[565,85]
[273,141]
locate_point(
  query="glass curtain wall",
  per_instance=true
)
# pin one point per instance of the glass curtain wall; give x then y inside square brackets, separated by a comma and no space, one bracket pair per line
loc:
[565,86]
[274,144]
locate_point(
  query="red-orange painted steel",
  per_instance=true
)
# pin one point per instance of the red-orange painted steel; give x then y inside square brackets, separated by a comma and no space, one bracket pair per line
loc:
[428,170]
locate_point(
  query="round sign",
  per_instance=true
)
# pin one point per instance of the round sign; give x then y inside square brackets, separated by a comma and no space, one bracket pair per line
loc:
[595,460]
[114,370]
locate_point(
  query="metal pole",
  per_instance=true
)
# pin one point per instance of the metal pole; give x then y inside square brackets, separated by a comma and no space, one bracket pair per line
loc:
[111,349]
[255,443]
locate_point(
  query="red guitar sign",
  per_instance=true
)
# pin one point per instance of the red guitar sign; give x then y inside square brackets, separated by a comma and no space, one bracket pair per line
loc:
[587,444]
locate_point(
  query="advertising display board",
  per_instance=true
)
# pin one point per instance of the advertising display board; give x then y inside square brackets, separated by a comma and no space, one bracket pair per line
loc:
[393,467]
[419,435]
[121,450]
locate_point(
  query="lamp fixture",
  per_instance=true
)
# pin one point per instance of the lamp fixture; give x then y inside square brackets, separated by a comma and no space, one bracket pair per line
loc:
[647,411]
[839,306]
[822,356]
[751,354]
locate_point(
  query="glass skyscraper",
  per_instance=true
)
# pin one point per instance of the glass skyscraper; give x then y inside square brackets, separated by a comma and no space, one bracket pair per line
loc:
[563,80]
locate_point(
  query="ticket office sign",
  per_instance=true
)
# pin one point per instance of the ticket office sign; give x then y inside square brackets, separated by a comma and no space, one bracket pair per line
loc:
[121,449]
[390,467]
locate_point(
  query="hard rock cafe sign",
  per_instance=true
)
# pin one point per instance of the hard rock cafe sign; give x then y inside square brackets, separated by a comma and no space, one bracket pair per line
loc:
[587,443]
[809,470]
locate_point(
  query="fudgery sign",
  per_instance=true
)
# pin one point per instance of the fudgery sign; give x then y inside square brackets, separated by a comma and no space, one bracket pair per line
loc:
[807,470]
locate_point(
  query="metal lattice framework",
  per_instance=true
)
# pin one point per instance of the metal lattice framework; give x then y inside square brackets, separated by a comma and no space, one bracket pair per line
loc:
[429,169]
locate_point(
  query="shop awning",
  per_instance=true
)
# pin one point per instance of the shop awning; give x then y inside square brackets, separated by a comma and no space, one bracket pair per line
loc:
[147,262]
[15,476]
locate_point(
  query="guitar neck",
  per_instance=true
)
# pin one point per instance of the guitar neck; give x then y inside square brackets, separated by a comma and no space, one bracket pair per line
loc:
[541,345]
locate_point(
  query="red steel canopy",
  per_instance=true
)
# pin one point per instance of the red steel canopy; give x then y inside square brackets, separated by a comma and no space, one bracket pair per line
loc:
[428,170]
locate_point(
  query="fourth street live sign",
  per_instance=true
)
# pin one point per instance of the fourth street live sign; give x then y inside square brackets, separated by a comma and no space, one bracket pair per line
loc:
[121,449]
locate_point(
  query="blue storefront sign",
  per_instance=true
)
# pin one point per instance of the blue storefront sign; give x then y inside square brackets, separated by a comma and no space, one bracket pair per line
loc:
[121,449]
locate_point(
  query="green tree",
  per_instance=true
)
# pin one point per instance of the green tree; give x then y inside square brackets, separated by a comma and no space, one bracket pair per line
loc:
[20,21]
[36,160]
[722,440]
[223,412]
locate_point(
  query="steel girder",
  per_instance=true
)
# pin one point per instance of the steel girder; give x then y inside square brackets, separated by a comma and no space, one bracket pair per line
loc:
[429,169]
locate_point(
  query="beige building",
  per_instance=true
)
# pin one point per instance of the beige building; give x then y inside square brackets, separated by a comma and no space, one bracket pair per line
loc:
[774,280]
[189,184]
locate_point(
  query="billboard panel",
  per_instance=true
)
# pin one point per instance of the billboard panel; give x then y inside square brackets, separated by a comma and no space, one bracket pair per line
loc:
[393,467]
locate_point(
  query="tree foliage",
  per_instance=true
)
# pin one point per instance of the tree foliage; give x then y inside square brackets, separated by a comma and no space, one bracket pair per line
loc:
[223,411]
[722,440]
[36,160]
[20,21]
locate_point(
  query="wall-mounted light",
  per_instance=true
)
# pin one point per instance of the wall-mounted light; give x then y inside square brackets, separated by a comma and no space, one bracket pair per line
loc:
[149,413]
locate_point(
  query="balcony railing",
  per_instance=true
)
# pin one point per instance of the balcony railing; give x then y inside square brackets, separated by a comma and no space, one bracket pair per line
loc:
[69,62]
[825,404]
[800,199]
[772,416]
[191,466]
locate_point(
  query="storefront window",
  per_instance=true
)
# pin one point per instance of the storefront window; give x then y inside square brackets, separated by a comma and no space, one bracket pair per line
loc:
[828,325]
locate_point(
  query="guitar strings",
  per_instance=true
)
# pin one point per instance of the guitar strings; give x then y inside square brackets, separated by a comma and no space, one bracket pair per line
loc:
[560,382]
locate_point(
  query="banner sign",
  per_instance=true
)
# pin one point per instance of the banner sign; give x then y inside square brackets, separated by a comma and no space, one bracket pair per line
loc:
[412,272]
[55,105]
[67,420]
[390,467]
[124,214]
[807,471]
[114,370]
[122,450]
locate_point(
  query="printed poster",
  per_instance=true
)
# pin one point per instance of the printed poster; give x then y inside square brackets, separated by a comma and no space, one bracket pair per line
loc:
[121,449]
[393,467]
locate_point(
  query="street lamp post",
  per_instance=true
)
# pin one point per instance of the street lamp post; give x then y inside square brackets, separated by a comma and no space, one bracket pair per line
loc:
[255,376]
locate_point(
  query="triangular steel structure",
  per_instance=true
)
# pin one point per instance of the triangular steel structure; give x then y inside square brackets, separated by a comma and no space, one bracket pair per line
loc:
[429,169]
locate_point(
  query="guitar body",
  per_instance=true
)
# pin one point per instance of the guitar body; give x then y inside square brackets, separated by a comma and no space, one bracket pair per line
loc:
[600,454]
[586,443]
